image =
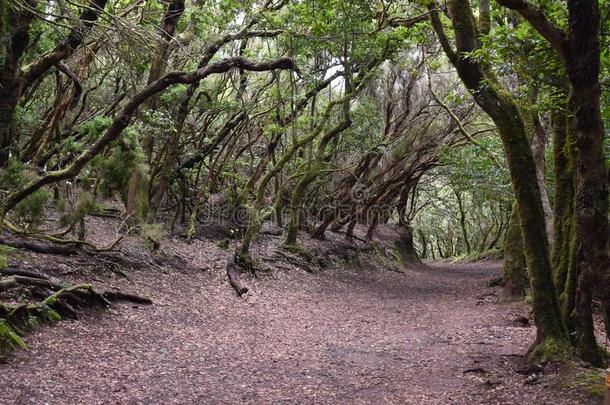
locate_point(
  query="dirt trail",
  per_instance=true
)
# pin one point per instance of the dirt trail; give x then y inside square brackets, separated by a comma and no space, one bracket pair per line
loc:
[342,336]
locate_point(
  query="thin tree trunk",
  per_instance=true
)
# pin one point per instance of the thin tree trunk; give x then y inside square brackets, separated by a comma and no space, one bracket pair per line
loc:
[458,198]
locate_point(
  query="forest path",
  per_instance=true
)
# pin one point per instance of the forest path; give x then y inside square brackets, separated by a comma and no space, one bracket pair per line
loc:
[342,336]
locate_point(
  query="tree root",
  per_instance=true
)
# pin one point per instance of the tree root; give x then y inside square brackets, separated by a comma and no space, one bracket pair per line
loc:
[295,261]
[70,245]
[233,274]
[60,300]
[45,248]
[20,272]
[114,296]
[80,290]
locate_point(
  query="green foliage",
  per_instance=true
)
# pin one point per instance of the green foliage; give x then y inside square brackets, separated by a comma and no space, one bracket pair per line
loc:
[486,196]
[5,253]
[26,119]
[9,339]
[88,132]
[31,209]
[495,253]
[152,235]
[223,244]
[13,176]
[366,127]
[94,127]
[472,168]
[172,96]
[116,171]
[84,206]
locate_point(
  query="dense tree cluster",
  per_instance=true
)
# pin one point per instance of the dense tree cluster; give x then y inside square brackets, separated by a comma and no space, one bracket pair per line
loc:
[475,128]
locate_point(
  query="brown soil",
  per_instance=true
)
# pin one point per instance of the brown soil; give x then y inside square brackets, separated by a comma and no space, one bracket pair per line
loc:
[349,334]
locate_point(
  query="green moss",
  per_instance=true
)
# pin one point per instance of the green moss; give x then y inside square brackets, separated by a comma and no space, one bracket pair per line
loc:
[49,315]
[32,322]
[552,349]
[245,261]
[396,256]
[9,339]
[152,235]
[21,323]
[223,244]
[296,249]
[5,253]
[590,382]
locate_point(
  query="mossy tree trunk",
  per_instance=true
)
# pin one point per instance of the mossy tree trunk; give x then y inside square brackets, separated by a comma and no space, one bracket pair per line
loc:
[313,172]
[563,208]
[591,193]
[254,217]
[350,186]
[539,143]
[579,49]
[123,118]
[458,198]
[15,26]
[405,246]
[494,100]
[514,259]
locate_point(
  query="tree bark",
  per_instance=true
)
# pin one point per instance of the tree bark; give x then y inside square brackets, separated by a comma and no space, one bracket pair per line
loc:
[539,142]
[515,280]
[458,198]
[580,51]
[591,194]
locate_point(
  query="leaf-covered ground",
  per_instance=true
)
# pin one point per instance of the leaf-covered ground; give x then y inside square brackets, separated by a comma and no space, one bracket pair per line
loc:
[348,334]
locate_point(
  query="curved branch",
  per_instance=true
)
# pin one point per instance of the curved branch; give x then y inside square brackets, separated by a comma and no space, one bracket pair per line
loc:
[122,119]
[65,49]
[437,25]
[535,16]
[78,88]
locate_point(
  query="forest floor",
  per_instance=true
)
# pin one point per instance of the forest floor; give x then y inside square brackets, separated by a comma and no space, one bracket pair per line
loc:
[352,333]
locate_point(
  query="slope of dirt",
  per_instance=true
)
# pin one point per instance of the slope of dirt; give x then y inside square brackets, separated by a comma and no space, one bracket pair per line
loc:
[350,334]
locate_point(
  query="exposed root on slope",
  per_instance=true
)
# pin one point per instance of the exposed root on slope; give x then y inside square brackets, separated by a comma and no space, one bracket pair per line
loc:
[233,274]
[56,301]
